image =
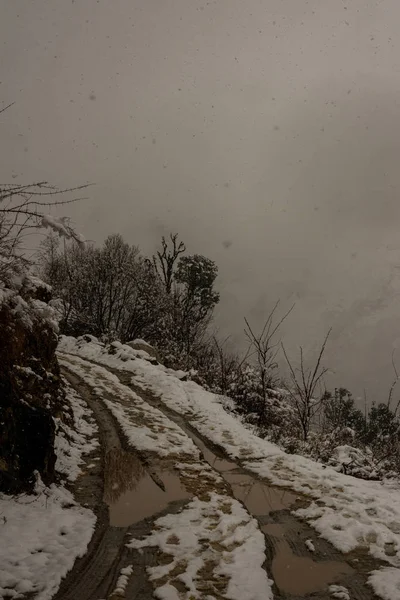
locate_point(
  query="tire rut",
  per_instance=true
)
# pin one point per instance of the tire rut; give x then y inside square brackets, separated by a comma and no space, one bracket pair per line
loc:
[94,575]
[89,571]
[287,554]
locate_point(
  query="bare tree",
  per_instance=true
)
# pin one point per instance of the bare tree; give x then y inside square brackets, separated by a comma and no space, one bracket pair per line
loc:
[166,260]
[391,390]
[227,364]
[24,207]
[264,347]
[304,384]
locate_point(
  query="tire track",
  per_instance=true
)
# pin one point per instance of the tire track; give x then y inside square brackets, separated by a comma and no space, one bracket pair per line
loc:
[287,555]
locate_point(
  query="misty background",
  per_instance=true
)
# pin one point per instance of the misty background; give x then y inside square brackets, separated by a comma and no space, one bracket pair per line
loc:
[265,132]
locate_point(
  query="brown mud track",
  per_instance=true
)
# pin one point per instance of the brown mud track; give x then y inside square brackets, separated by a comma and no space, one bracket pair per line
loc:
[128,492]
[95,575]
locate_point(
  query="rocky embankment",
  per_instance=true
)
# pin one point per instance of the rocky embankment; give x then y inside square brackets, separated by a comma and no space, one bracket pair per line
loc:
[30,384]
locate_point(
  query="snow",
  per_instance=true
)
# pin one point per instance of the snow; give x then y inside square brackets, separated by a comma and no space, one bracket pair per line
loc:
[27,371]
[122,581]
[61,226]
[46,313]
[5,294]
[71,444]
[354,461]
[351,513]
[30,310]
[20,308]
[310,545]
[43,533]
[142,343]
[56,224]
[145,427]
[33,283]
[339,592]
[386,583]
[41,536]
[211,543]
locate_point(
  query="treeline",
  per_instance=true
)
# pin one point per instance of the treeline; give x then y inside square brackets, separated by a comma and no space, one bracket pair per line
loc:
[364,443]
[114,292]
[168,299]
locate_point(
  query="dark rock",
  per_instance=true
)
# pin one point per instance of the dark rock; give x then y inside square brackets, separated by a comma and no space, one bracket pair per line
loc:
[30,387]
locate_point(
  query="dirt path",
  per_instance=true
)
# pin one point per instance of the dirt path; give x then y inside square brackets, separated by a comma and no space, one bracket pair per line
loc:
[140,487]
[95,575]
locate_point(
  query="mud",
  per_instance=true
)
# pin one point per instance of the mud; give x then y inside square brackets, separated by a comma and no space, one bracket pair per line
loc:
[94,575]
[134,491]
[132,494]
[258,497]
[222,465]
[294,575]
[299,574]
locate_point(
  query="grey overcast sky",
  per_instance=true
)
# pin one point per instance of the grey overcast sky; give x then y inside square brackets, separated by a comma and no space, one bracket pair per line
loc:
[265,132]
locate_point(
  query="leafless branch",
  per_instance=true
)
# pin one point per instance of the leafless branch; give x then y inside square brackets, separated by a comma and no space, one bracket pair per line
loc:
[396,379]
[303,387]
[5,108]
[264,348]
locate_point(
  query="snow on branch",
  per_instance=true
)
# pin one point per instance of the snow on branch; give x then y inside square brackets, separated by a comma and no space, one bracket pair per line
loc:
[61,226]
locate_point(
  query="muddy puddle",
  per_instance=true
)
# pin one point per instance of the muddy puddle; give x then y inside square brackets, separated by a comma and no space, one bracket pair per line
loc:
[219,464]
[258,497]
[300,575]
[294,574]
[132,494]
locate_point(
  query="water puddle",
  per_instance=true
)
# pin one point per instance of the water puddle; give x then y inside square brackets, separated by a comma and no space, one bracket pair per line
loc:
[219,464]
[259,498]
[132,494]
[300,575]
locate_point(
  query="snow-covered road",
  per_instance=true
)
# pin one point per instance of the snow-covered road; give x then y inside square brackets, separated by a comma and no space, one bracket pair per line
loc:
[154,387]
[212,547]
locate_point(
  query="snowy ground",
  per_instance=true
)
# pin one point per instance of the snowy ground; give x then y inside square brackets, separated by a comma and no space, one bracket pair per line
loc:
[43,533]
[231,560]
[350,513]
[213,544]
[72,443]
[146,428]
